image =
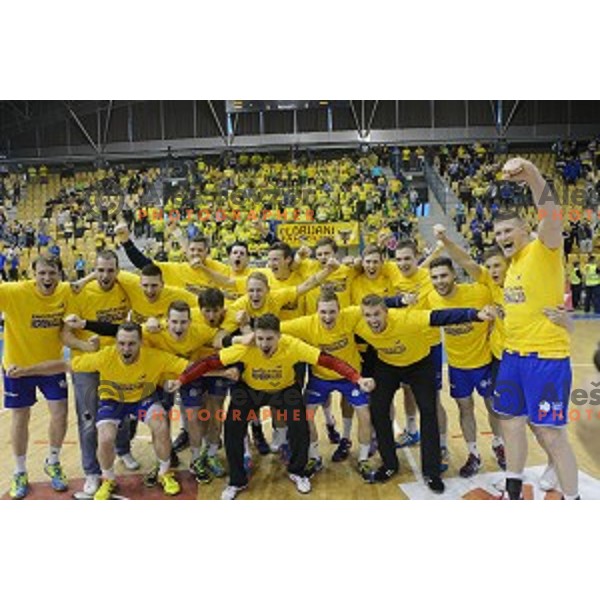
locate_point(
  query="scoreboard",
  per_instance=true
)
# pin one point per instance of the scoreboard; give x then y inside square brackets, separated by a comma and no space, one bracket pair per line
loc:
[238,106]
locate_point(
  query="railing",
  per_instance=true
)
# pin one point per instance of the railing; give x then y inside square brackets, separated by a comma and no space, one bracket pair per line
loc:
[440,188]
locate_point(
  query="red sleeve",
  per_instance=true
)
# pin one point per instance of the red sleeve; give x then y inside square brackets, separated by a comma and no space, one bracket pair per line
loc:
[339,366]
[199,368]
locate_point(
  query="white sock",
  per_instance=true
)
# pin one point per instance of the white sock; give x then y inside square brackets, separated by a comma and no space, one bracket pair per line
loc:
[347,427]
[53,456]
[444,440]
[411,425]
[510,475]
[108,474]
[20,464]
[329,420]
[164,466]
[472,446]
[363,452]
[497,441]
[313,450]
[283,434]
[247,446]
[567,497]
[213,449]
[195,452]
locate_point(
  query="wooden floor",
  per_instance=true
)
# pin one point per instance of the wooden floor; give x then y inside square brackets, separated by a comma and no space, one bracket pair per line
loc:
[338,480]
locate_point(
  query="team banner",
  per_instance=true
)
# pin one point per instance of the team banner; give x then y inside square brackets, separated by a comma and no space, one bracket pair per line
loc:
[298,234]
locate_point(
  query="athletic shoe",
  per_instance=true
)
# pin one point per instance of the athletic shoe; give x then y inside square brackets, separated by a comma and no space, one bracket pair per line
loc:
[471,467]
[231,491]
[248,464]
[106,490]
[333,434]
[365,470]
[313,466]
[170,485]
[342,452]
[302,483]
[174,459]
[215,466]
[500,456]
[549,479]
[181,442]
[19,486]
[57,477]
[406,439]
[151,477]
[382,475]
[285,454]
[200,471]
[91,484]
[130,463]
[435,484]
[258,438]
[444,459]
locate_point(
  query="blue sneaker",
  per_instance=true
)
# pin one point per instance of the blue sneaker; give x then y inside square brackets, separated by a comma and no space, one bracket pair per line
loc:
[57,477]
[408,439]
[19,486]
[248,464]
[285,454]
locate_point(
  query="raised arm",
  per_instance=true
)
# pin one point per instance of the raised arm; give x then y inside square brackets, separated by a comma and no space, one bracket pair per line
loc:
[49,367]
[133,252]
[550,213]
[456,252]
[346,371]
[318,278]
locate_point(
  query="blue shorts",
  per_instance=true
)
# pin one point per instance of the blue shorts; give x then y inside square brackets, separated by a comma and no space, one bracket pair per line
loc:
[318,390]
[216,386]
[19,392]
[113,411]
[192,394]
[464,381]
[535,387]
[436,355]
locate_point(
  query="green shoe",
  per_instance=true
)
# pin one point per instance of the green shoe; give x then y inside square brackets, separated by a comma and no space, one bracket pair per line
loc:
[200,471]
[19,486]
[151,477]
[215,466]
[57,477]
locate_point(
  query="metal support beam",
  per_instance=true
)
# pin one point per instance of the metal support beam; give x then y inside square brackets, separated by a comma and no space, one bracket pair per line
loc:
[83,130]
[355,116]
[107,125]
[372,117]
[216,118]
[362,117]
[510,116]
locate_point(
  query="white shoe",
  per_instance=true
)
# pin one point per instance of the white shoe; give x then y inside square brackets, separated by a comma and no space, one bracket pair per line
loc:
[91,484]
[549,479]
[130,463]
[302,483]
[231,491]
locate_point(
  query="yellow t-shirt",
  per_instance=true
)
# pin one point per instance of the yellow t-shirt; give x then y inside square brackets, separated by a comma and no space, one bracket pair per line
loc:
[296,307]
[402,342]
[129,383]
[276,372]
[419,283]
[338,341]
[340,281]
[535,280]
[385,284]
[142,309]
[497,334]
[182,275]
[32,322]
[197,336]
[466,344]
[94,304]
[275,302]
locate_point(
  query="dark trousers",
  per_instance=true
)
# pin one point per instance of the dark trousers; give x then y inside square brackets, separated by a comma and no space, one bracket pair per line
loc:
[421,378]
[592,298]
[287,405]
[576,294]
